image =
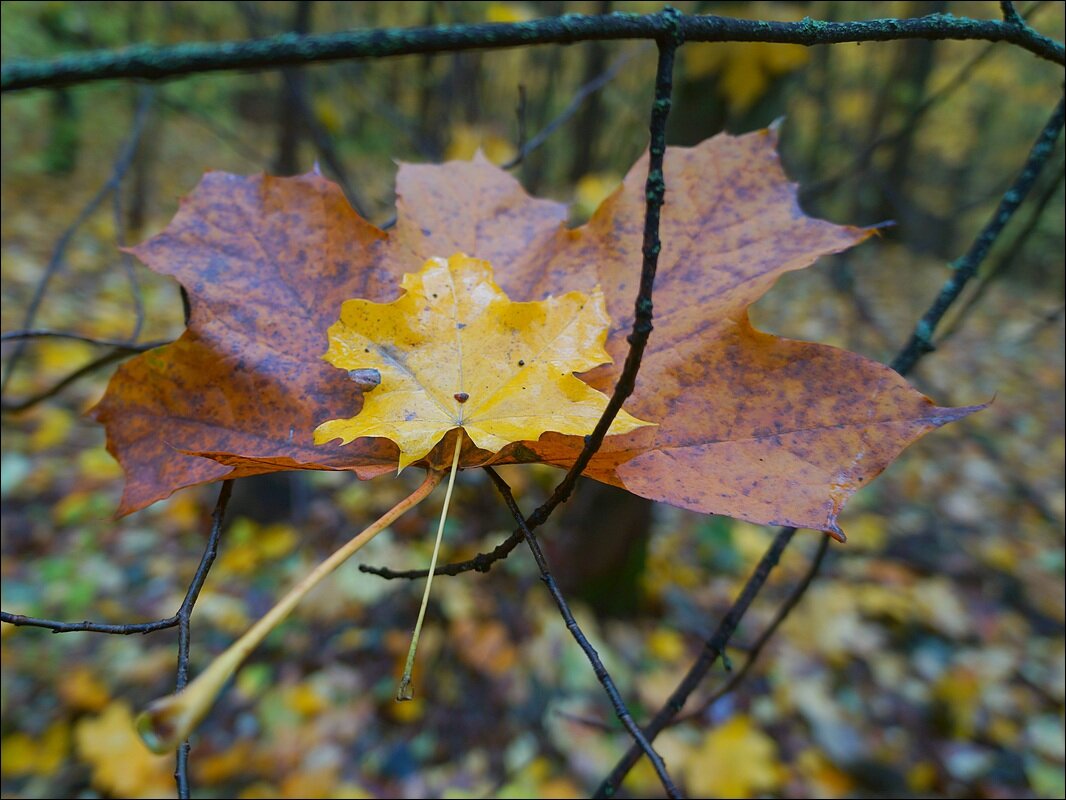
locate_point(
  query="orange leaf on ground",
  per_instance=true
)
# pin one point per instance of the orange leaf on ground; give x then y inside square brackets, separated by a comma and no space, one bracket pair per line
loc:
[750,425]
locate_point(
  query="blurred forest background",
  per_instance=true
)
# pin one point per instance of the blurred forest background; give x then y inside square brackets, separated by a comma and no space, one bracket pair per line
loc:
[928,658]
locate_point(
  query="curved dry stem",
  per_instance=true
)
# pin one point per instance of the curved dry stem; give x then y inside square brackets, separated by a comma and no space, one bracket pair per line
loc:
[169,720]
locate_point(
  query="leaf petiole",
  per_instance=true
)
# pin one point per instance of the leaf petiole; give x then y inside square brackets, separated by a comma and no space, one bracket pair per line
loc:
[169,720]
[403,692]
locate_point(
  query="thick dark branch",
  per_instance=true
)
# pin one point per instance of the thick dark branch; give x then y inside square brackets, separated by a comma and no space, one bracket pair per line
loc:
[287,50]
[604,677]
[964,268]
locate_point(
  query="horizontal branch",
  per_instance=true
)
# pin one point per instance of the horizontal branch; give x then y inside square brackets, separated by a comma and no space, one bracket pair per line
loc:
[56,626]
[41,333]
[155,63]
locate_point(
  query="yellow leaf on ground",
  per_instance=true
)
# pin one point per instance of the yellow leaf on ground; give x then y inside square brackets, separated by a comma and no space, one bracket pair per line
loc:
[454,352]
[52,429]
[734,760]
[82,690]
[508,12]
[24,755]
[121,765]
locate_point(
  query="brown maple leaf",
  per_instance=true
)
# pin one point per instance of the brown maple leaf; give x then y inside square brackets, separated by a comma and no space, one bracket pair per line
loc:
[750,425]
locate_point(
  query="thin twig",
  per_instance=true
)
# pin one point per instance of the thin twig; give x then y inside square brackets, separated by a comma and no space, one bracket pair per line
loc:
[55,626]
[712,649]
[127,263]
[180,620]
[44,333]
[576,102]
[117,353]
[118,172]
[482,562]
[1010,14]
[965,267]
[602,674]
[287,50]
[859,165]
[218,130]
[1008,253]
[757,646]
[184,616]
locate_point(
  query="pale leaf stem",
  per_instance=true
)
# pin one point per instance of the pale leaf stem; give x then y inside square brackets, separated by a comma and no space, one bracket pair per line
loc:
[403,692]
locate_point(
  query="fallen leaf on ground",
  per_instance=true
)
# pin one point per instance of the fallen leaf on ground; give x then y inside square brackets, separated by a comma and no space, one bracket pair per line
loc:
[735,759]
[121,765]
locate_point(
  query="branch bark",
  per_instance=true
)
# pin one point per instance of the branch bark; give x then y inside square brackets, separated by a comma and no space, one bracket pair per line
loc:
[286,50]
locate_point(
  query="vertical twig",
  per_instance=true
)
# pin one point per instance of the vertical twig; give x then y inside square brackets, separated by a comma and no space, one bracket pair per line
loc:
[1010,13]
[184,615]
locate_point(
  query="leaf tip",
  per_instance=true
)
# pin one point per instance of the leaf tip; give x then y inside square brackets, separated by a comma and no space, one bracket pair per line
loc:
[835,531]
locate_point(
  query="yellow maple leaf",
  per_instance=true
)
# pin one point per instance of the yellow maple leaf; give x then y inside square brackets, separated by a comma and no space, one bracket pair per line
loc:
[454,352]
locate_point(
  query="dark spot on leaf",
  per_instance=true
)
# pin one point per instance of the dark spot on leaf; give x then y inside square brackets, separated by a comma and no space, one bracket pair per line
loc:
[521,363]
[461,397]
[460,325]
[408,416]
